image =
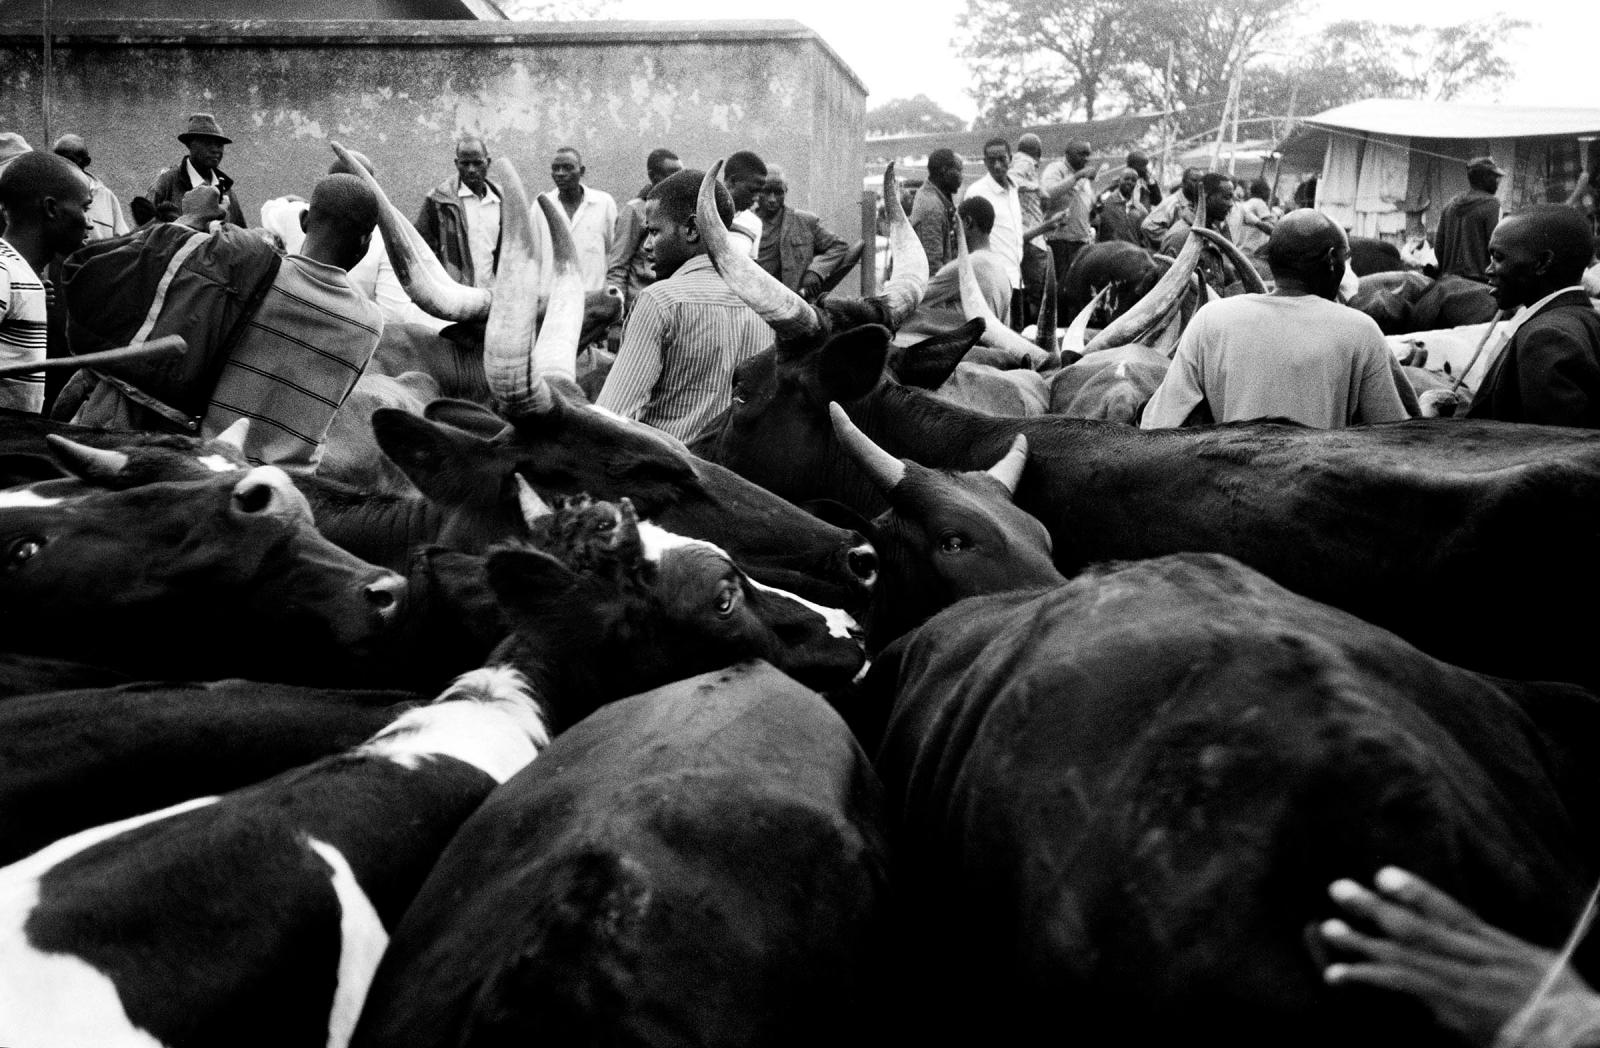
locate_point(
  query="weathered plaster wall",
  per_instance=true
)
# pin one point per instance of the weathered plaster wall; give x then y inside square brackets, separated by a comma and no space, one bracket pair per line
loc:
[402,91]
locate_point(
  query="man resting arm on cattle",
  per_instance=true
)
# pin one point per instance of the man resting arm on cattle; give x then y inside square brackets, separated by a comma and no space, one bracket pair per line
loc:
[1475,979]
[309,341]
[1294,353]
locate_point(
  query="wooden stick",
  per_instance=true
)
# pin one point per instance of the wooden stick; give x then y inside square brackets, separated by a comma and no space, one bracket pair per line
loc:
[169,345]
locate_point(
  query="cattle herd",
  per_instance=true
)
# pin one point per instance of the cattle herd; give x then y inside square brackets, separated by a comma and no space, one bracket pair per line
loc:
[870,717]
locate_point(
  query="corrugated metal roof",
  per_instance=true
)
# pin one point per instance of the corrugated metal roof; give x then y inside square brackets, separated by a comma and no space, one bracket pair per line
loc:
[1400,116]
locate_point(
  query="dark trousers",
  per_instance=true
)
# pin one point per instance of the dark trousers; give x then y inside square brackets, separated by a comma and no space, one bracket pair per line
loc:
[1033,275]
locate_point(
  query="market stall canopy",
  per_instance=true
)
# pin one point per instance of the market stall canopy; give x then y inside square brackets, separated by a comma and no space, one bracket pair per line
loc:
[1403,116]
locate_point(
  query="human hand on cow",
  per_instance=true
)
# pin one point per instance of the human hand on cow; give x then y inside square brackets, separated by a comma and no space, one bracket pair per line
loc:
[202,206]
[1473,977]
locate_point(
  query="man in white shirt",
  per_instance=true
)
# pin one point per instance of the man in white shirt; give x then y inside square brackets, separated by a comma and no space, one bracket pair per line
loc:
[1007,238]
[591,214]
[460,219]
[745,174]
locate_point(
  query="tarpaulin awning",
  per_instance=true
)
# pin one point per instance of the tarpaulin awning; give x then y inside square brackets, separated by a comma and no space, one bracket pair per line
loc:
[1399,116]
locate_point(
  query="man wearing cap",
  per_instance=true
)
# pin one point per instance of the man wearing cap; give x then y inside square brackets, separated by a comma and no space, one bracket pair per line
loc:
[105,217]
[1462,244]
[205,141]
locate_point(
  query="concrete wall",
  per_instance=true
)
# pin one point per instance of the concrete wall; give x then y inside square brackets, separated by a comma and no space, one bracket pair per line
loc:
[402,91]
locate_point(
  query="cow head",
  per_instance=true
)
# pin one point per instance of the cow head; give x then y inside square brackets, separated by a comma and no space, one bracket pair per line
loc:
[603,605]
[946,535]
[210,578]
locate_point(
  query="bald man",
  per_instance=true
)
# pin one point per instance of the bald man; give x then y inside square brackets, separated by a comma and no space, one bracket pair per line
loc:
[1068,189]
[309,340]
[1549,372]
[46,201]
[1294,353]
[106,219]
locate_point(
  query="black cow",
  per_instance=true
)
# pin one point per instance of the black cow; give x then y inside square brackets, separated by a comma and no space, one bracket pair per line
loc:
[698,865]
[256,918]
[77,759]
[1130,270]
[1370,255]
[1117,805]
[188,580]
[1415,526]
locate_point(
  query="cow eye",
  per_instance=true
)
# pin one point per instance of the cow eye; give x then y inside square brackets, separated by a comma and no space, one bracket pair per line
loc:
[952,542]
[727,599]
[20,551]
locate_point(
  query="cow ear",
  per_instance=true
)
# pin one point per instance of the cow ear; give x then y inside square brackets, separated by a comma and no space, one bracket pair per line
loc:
[528,581]
[464,414]
[851,363]
[463,588]
[439,460]
[930,363]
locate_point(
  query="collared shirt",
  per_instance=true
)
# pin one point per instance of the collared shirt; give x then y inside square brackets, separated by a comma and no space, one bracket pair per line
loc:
[1076,204]
[1507,329]
[105,213]
[1025,174]
[482,215]
[22,329]
[196,181]
[1006,238]
[684,338]
[594,228]
[933,217]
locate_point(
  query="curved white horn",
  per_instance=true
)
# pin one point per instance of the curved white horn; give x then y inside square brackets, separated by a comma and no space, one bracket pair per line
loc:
[508,364]
[83,459]
[556,352]
[1008,470]
[885,470]
[789,315]
[1045,333]
[418,271]
[1072,341]
[975,307]
[235,435]
[533,507]
[903,293]
[1249,276]
[1156,303]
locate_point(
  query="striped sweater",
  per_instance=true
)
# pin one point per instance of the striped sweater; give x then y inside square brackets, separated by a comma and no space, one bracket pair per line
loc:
[295,363]
[685,336]
[22,329]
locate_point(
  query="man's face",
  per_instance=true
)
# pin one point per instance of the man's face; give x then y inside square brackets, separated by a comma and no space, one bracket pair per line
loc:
[1219,202]
[566,172]
[472,165]
[769,201]
[67,219]
[1128,182]
[1491,181]
[669,244]
[1516,270]
[947,179]
[997,160]
[205,153]
[744,190]
[1077,156]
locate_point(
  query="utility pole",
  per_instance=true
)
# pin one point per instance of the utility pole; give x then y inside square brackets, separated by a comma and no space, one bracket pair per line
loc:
[49,61]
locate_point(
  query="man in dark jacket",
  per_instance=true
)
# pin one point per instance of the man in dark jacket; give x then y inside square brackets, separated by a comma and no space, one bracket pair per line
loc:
[1549,373]
[205,141]
[933,210]
[795,246]
[460,219]
[1466,222]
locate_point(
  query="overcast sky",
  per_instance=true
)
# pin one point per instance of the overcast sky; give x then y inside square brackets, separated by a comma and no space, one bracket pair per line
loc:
[900,50]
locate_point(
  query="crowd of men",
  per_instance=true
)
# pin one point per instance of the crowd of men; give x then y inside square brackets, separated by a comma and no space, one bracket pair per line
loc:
[327,287]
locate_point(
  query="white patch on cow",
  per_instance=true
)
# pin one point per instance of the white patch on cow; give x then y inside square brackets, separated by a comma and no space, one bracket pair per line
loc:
[840,623]
[644,429]
[219,464]
[57,1000]
[362,941]
[1122,369]
[486,718]
[26,498]
[658,541]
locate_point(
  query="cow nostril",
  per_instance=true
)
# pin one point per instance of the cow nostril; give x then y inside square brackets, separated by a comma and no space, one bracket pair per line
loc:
[863,564]
[384,595]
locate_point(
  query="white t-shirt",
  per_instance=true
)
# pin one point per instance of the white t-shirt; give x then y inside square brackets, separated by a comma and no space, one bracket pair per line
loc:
[1287,356]
[749,224]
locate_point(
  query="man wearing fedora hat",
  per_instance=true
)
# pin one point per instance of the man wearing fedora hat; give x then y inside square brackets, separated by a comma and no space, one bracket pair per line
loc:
[205,141]
[1466,222]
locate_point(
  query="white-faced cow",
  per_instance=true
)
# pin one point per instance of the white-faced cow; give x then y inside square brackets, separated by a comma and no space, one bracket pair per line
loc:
[700,865]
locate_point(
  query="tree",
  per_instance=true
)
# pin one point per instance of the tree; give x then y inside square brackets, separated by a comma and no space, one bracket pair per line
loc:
[911,116]
[1041,59]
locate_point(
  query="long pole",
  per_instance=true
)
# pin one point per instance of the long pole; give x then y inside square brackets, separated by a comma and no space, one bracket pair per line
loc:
[49,87]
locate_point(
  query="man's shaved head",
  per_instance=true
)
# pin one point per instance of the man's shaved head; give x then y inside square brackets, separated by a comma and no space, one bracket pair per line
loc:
[1030,144]
[1308,248]
[1558,229]
[73,148]
[343,203]
[27,181]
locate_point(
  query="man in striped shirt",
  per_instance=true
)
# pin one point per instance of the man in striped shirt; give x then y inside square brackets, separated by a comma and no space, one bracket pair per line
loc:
[310,339]
[688,330]
[46,201]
